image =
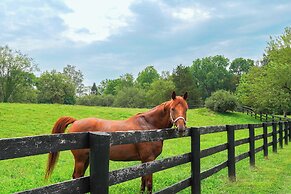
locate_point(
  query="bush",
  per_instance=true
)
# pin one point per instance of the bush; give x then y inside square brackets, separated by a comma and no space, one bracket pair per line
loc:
[221,101]
[130,97]
[96,100]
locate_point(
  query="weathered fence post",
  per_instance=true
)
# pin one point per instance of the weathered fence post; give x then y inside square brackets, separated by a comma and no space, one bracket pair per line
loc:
[286,132]
[99,163]
[265,137]
[252,144]
[231,152]
[195,164]
[281,134]
[266,117]
[274,136]
[273,118]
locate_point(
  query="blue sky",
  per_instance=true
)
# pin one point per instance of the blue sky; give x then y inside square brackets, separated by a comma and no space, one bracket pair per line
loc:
[106,39]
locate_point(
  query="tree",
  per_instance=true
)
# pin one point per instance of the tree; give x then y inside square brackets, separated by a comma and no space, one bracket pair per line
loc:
[94,89]
[147,76]
[16,72]
[76,76]
[55,87]
[184,82]
[279,48]
[112,87]
[211,74]
[160,91]
[240,66]
[268,88]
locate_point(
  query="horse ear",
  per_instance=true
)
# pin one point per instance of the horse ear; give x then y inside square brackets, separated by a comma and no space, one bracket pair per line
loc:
[174,95]
[185,96]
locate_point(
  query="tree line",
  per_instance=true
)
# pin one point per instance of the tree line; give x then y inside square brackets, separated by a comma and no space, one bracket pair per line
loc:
[264,85]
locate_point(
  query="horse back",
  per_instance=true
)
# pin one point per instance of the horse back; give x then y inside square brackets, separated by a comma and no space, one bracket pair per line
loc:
[95,124]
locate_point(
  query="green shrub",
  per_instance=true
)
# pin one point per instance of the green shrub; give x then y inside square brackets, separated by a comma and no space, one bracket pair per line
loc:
[96,100]
[221,101]
[130,97]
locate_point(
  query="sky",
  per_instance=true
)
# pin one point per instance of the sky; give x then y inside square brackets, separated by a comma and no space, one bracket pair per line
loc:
[106,39]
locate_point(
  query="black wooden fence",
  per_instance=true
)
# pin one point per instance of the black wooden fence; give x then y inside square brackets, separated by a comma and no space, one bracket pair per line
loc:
[262,116]
[101,179]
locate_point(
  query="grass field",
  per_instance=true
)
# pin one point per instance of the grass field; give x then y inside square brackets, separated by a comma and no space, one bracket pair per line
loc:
[16,120]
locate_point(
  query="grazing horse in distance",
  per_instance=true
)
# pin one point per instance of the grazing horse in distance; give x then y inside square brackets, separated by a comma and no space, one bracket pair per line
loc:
[165,115]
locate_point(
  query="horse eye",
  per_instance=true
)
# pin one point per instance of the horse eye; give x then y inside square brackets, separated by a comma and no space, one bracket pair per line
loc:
[172,109]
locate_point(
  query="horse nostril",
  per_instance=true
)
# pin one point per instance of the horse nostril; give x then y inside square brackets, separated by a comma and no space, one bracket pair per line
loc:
[181,128]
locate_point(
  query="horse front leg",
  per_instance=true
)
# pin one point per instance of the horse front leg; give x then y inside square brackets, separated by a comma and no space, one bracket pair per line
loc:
[149,183]
[143,184]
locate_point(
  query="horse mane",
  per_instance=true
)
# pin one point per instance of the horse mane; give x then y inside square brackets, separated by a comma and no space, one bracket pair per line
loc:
[160,106]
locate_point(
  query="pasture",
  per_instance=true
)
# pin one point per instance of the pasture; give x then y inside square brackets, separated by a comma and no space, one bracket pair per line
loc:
[17,120]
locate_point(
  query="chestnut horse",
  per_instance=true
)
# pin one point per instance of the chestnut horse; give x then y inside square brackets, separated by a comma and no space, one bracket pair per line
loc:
[166,115]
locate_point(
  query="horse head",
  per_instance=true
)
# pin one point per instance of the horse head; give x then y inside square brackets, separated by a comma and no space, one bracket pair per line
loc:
[178,110]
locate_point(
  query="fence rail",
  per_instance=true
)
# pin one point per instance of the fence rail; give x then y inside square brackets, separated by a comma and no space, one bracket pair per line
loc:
[99,143]
[262,116]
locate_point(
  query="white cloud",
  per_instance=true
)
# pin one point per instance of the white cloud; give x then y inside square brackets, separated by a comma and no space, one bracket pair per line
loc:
[100,18]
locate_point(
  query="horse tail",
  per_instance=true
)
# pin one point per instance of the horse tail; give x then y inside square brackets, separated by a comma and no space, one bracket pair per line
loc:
[59,127]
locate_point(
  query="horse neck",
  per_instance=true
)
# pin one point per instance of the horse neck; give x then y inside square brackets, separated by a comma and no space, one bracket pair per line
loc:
[159,117]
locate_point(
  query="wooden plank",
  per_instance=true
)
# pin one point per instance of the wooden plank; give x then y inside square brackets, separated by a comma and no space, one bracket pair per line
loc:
[259,149]
[28,146]
[231,153]
[242,156]
[252,144]
[286,133]
[99,163]
[215,169]
[265,138]
[241,141]
[258,125]
[211,129]
[213,150]
[195,162]
[122,175]
[269,124]
[257,137]
[274,136]
[241,126]
[175,188]
[270,134]
[130,137]
[270,144]
[281,134]
[80,185]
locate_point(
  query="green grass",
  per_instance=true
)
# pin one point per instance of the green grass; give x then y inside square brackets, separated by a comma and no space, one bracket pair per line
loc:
[18,120]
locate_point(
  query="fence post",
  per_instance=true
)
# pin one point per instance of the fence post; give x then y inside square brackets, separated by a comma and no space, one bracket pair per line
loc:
[273,118]
[286,132]
[231,153]
[266,117]
[274,136]
[99,162]
[265,136]
[289,130]
[195,164]
[281,134]
[252,144]
[261,117]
